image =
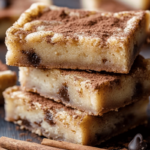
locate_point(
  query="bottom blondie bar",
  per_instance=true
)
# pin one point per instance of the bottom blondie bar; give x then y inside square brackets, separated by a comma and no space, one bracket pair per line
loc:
[54,120]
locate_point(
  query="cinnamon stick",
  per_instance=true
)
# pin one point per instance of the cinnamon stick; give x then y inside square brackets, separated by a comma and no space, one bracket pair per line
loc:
[12,144]
[67,146]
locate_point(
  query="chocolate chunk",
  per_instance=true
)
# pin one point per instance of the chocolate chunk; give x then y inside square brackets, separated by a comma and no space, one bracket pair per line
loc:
[32,57]
[137,143]
[26,123]
[63,92]
[49,118]
[104,60]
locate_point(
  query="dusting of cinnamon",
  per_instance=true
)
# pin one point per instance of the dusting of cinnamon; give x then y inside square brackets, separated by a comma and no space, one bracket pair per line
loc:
[78,22]
[95,25]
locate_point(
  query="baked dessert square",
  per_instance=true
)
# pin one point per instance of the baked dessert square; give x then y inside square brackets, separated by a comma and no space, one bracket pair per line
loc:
[94,93]
[115,5]
[54,120]
[52,37]
[10,11]
[7,79]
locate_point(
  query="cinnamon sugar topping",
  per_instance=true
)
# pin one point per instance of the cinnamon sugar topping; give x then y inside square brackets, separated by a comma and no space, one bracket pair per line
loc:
[84,22]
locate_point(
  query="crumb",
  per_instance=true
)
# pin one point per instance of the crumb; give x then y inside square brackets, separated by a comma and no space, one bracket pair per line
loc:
[17,127]
[22,134]
[29,140]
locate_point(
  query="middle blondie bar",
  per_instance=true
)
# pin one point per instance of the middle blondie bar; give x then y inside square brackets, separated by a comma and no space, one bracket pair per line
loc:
[95,93]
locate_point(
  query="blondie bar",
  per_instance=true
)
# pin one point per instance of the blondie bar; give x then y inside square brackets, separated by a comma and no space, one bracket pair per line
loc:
[7,79]
[54,120]
[95,93]
[53,37]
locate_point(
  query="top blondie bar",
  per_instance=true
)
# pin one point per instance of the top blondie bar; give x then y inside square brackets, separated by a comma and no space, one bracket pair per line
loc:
[53,37]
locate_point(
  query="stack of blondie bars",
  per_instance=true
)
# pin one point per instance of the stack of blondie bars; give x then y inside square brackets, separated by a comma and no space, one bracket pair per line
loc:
[82,79]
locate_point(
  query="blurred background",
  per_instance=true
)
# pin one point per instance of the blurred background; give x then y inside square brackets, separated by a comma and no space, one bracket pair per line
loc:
[10,10]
